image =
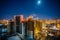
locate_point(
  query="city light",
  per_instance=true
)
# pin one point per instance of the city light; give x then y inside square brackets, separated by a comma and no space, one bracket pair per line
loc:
[33,28]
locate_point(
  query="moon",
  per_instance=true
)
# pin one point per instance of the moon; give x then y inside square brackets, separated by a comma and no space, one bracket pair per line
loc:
[38,2]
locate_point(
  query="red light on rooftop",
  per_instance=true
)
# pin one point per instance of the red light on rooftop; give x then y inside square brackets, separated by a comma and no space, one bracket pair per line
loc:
[21,18]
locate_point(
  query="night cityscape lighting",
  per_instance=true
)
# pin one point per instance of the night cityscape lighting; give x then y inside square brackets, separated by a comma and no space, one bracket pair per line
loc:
[31,28]
[29,20]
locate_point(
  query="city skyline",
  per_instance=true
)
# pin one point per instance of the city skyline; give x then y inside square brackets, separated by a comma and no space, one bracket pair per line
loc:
[29,28]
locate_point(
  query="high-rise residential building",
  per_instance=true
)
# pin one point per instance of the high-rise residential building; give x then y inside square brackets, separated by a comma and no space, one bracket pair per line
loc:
[3,32]
[18,23]
[11,29]
[29,28]
[26,29]
[37,29]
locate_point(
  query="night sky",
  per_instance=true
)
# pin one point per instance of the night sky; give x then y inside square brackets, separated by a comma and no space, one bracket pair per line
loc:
[46,9]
